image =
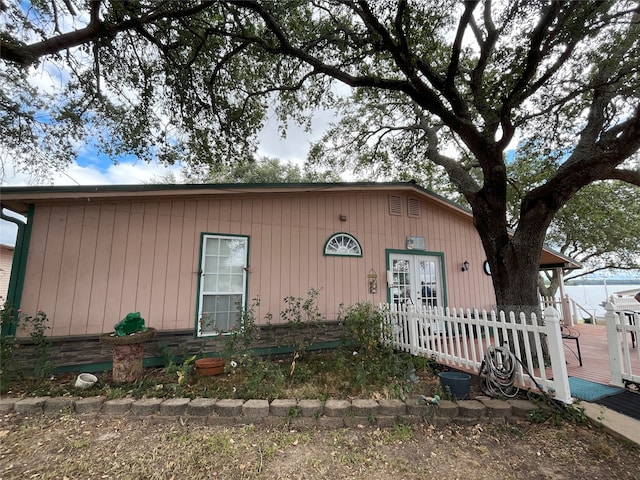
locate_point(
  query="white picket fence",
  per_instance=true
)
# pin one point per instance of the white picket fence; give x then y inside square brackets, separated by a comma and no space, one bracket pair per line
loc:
[622,324]
[460,338]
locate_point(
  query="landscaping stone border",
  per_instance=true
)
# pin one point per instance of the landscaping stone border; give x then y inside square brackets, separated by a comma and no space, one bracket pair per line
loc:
[382,413]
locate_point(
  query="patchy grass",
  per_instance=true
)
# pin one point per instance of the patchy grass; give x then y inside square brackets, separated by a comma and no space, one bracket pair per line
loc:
[98,447]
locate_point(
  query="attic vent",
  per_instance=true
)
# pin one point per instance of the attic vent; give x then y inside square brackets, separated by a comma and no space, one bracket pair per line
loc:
[413,208]
[395,204]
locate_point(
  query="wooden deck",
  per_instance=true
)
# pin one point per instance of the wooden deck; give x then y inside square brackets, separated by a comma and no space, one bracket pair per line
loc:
[595,354]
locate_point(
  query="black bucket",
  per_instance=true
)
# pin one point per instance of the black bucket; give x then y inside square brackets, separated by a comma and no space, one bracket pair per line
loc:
[458,383]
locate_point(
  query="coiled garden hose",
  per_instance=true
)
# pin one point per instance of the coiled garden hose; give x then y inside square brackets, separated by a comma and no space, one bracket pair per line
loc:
[498,373]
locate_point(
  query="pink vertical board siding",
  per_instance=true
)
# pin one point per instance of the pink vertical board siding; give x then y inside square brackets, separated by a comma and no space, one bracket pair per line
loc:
[146,267]
[51,271]
[157,313]
[188,274]
[124,242]
[67,289]
[103,274]
[130,280]
[173,266]
[89,265]
[84,275]
[35,266]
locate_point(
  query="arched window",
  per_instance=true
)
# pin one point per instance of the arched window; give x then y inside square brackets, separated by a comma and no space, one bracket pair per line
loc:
[343,244]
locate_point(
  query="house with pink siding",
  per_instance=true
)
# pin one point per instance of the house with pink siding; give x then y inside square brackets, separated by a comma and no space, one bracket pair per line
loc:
[185,256]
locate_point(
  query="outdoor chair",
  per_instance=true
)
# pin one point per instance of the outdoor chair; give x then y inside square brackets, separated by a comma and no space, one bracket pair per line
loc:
[571,334]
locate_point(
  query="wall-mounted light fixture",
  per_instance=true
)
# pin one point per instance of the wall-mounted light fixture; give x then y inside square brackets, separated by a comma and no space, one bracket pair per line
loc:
[372,279]
[465,266]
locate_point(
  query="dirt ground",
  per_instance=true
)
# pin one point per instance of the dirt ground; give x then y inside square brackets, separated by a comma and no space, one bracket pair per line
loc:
[96,447]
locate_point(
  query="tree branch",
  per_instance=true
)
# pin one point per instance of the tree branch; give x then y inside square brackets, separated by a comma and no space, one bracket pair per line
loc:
[23,54]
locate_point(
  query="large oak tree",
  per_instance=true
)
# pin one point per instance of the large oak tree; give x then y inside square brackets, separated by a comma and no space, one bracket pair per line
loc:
[439,86]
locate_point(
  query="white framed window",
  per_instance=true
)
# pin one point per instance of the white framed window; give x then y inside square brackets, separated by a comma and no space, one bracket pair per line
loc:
[223,283]
[342,244]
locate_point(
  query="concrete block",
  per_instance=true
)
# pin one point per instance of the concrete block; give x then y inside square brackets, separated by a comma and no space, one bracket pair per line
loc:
[385,421]
[7,404]
[255,408]
[364,407]
[174,406]
[352,421]
[31,405]
[447,408]
[229,407]
[470,409]
[201,407]
[58,405]
[311,408]
[303,422]
[337,408]
[521,408]
[89,404]
[465,421]
[218,421]
[391,407]
[438,421]
[496,408]
[119,406]
[283,407]
[410,419]
[145,407]
[330,422]
[242,420]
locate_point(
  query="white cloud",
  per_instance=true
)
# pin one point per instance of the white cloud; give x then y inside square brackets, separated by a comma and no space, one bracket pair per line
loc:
[115,174]
[293,148]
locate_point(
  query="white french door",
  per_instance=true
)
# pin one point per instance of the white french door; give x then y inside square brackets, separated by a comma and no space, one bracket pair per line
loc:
[417,280]
[223,280]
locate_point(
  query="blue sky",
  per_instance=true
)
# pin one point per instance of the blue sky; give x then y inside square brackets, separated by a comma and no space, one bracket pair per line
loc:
[93,168]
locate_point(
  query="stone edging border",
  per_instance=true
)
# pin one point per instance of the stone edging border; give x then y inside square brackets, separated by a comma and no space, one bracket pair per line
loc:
[383,413]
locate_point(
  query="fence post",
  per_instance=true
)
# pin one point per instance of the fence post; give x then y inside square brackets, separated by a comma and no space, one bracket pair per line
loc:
[412,318]
[615,353]
[556,354]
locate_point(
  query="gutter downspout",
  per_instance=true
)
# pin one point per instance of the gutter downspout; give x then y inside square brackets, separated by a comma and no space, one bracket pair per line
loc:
[18,265]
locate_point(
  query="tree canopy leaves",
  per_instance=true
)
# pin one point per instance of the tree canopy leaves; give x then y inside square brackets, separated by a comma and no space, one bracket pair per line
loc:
[438,88]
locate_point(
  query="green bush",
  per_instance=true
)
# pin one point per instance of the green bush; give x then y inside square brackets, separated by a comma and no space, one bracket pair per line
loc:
[363,327]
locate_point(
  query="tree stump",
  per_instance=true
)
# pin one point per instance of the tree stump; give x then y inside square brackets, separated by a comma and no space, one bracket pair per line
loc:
[127,362]
[128,352]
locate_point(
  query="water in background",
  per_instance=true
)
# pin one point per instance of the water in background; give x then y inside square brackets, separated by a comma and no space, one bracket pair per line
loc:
[591,296]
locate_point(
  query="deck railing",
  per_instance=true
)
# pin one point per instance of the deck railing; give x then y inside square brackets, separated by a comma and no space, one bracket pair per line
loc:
[622,324]
[571,312]
[461,338]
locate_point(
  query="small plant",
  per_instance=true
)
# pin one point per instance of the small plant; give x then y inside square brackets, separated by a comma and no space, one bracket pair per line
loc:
[239,342]
[185,369]
[168,358]
[37,326]
[8,344]
[304,322]
[294,412]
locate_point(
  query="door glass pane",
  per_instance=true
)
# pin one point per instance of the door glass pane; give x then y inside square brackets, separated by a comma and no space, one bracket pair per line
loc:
[428,274]
[401,290]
